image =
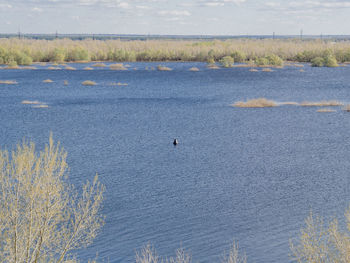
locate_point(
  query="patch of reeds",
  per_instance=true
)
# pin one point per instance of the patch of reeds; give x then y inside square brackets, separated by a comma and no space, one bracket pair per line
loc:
[40,106]
[65,83]
[347,108]
[8,82]
[253,70]
[321,103]
[163,68]
[118,84]
[89,83]
[48,81]
[195,69]
[326,110]
[212,66]
[99,65]
[31,102]
[267,70]
[69,68]
[88,68]
[28,67]
[256,103]
[117,66]
[12,67]
[289,103]
[53,68]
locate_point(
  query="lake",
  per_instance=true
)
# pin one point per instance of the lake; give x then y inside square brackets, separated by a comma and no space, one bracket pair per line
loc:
[247,174]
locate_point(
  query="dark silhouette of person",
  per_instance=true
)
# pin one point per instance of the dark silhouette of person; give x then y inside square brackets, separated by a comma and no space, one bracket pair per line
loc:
[176,142]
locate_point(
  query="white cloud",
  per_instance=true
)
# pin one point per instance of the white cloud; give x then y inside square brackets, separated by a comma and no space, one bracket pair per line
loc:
[174,13]
[37,9]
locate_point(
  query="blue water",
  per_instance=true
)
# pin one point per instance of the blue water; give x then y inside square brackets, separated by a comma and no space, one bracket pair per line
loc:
[251,175]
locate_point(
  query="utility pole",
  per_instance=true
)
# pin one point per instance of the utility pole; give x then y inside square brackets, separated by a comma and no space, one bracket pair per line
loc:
[301,34]
[56,36]
[19,33]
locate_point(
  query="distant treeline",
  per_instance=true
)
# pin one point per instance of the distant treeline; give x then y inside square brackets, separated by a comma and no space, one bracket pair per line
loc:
[257,51]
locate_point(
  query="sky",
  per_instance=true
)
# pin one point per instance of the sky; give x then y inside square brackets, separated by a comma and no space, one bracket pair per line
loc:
[176,17]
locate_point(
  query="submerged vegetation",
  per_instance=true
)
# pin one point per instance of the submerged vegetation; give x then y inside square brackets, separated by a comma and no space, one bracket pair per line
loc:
[262,52]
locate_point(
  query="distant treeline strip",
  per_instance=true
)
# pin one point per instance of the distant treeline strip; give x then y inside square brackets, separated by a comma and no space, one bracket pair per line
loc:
[259,51]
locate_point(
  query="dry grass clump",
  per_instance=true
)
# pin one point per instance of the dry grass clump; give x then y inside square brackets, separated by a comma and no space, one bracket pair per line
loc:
[69,68]
[88,68]
[289,103]
[194,69]
[253,70]
[118,84]
[99,65]
[12,67]
[163,68]
[40,106]
[117,66]
[212,66]
[256,103]
[267,70]
[65,83]
[53,68]
[8,82]
[326,110]
[321,103]
[47,81]
[28,67]
[301,70]
[31,102]
[89,83]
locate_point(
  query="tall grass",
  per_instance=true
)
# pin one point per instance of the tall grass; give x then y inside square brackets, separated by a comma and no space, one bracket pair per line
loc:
[259,51]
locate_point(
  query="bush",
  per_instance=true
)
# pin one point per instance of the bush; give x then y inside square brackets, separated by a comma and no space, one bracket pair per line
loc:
[320,243]
[262,62]
[330,61]
[317,62]
[43,219]
[239,56]
[275,60]
[227,62]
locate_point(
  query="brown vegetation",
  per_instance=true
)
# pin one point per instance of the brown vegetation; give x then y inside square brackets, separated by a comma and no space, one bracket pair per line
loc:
[326,110]
[88,68]
[163,68]
[194,69]
[47,81]
[8,82]
[321,103]
[69,68]
[117,67]
[89,83]
[256,103]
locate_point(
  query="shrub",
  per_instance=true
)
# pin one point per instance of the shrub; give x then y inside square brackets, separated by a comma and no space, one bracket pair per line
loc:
[330,61]
[227,62]
[43,218]
[317,62]
[239,56]
[262,62]
[274,60]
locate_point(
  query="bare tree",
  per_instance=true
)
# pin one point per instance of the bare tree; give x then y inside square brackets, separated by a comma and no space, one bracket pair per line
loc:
[42,216]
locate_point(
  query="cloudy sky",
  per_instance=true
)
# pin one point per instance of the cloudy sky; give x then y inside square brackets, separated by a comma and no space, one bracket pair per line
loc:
[199,17]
